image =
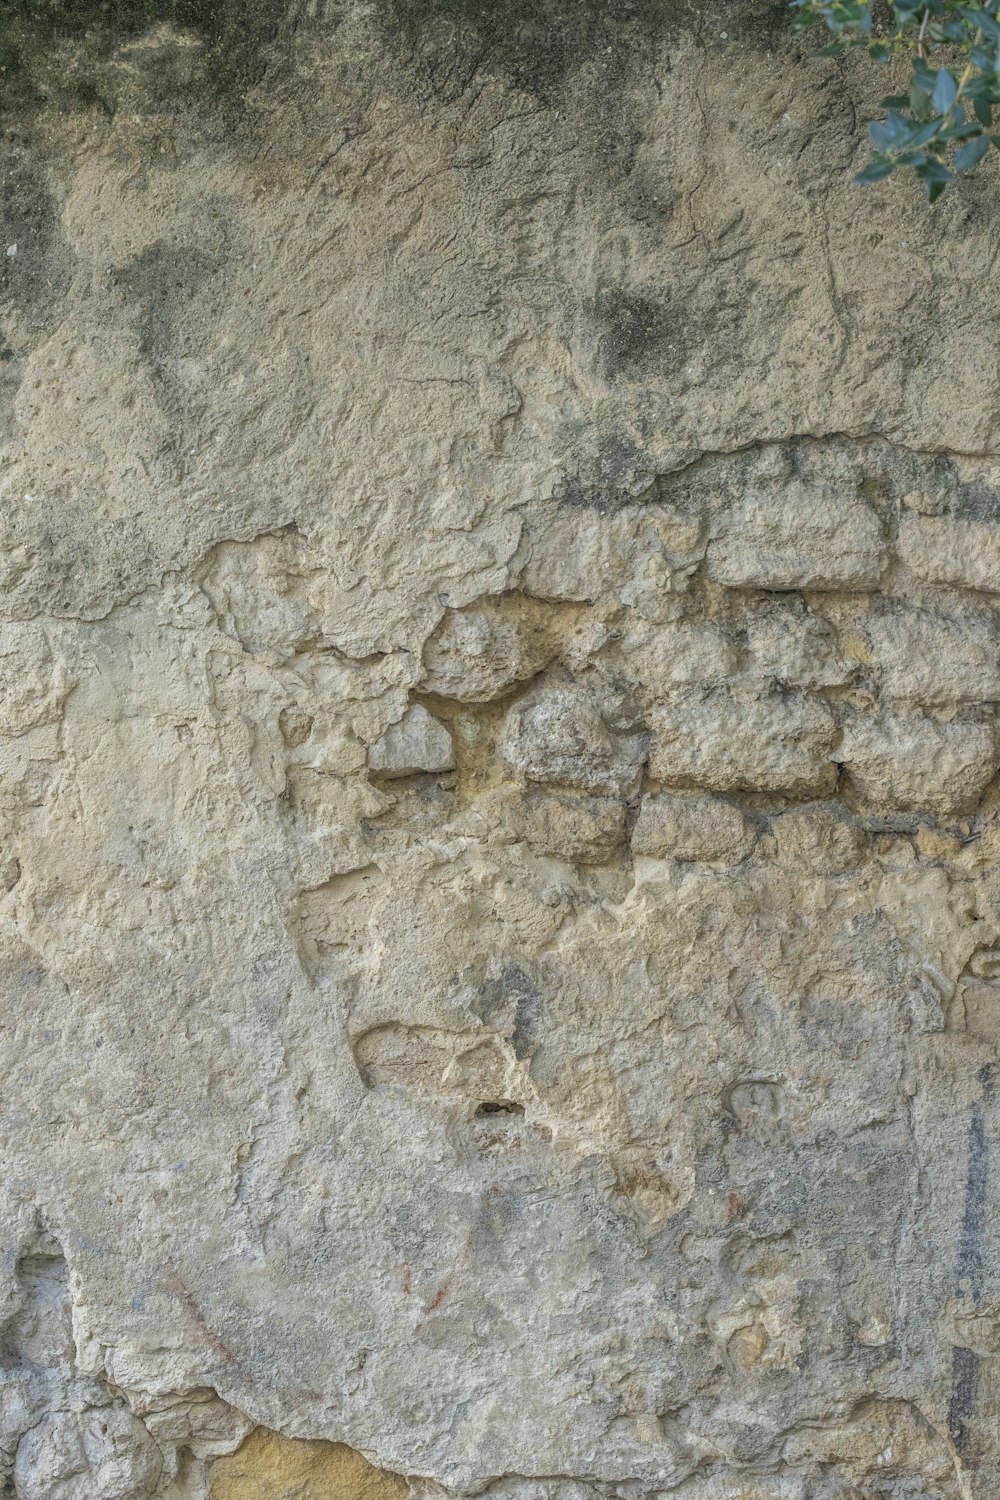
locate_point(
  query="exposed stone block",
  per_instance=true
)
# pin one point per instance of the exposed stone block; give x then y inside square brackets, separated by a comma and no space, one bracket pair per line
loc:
[77,1455]
[980,1001]
[419,742]
[480,653]
[567,734]
[729,742]
[661,658]
[798,537]
[947,549]
[822,838]
[932,658]
[681,825]
[914,762]
[570,825]
[577,552]
[795,647]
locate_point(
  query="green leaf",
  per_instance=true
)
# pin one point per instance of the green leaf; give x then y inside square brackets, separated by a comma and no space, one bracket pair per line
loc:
[875,170]
[920,135]
[945,89]
[971,155]
[920,98]
[931,126]
[982,21]
[957,133]
[935,171]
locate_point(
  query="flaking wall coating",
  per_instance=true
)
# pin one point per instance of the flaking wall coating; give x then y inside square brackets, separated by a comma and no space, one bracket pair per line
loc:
[498,754]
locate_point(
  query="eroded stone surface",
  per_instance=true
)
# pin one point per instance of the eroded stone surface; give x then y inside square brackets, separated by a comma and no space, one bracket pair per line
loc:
[419,742]
[498,771]
[679,825]
[570,734]
[727,741]
[799,537]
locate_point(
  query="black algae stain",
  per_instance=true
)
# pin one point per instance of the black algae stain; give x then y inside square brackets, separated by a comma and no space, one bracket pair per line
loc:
[58,51]
[969,1269]
[637,333]
[514,988]
[538,44]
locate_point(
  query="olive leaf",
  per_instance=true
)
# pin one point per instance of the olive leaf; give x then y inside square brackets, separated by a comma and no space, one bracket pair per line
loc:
[944,125]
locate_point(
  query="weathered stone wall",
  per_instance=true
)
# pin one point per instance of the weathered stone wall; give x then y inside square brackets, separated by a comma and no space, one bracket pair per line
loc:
[498,757]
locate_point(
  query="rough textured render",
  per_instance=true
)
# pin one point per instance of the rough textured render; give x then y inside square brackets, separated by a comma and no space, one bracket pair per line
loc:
[500,549]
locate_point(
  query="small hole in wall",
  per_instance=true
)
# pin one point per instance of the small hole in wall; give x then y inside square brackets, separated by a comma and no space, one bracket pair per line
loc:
[498,1107]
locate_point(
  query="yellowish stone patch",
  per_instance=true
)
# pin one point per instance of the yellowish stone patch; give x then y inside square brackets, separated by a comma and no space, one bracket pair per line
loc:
[933,844]
[271,1467]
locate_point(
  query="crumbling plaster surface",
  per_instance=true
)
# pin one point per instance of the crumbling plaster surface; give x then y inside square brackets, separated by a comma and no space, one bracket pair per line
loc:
[498,749]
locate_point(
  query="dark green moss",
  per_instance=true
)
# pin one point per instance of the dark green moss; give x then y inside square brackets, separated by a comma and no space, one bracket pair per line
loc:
[172,295]
[36,270]
[66,52]
[61,51]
